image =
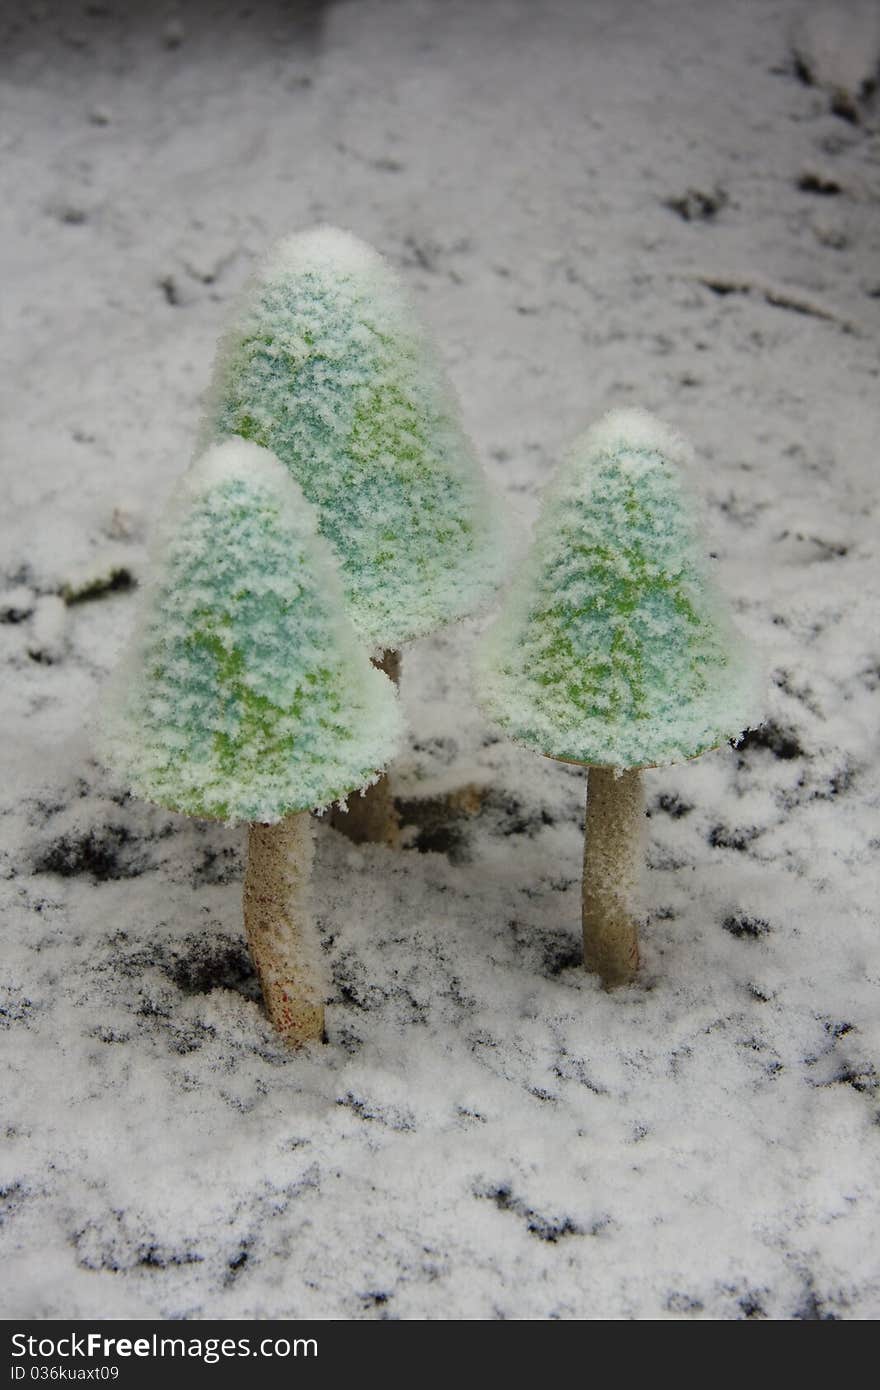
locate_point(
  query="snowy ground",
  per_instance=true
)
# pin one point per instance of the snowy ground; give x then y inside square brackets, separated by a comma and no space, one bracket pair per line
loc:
[596,204]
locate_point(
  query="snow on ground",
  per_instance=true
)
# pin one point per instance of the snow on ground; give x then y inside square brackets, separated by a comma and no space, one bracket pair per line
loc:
[666,205]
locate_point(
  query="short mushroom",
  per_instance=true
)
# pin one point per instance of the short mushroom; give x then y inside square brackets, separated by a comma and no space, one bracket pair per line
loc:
[247,697]
[614,650]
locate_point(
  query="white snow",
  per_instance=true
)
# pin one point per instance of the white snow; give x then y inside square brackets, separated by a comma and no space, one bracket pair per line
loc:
[622,430]
[487,1134]
[327,249]
[48,629]
[839,47]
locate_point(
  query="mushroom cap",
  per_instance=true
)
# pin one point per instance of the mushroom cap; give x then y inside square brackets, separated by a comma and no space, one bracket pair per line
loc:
[614,647]
[326,364]
[246,693]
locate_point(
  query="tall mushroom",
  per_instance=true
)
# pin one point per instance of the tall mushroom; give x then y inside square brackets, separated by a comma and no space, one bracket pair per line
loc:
[246,696]
[326,364]
[614,650]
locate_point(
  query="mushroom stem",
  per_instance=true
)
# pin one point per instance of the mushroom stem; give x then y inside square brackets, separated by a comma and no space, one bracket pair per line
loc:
[373,818]
[281,933]
[612,854]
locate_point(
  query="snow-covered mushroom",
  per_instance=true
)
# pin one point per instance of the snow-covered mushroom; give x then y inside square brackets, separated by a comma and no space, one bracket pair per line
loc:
[326,364]
[246,697]
[614,650]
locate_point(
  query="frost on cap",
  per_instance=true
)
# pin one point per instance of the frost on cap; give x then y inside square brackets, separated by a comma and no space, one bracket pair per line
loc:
[613,647]
[327,366]
[246,693]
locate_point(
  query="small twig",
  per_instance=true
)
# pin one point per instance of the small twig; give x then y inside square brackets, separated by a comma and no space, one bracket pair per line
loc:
[778,299]
[116,580]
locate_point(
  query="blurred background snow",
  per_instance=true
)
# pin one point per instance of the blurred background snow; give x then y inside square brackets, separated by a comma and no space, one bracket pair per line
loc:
[671,204]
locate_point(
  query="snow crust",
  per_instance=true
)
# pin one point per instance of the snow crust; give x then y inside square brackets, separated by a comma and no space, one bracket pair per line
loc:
[246,694]
[614,648]
[327,365]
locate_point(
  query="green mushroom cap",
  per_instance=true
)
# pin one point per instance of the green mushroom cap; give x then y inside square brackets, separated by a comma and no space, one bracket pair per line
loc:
[327,365]
[614,648]
[246,693]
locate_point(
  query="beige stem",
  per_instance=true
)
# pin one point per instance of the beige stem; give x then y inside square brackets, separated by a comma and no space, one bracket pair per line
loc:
[280,929]
[612,855]
[373,818]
